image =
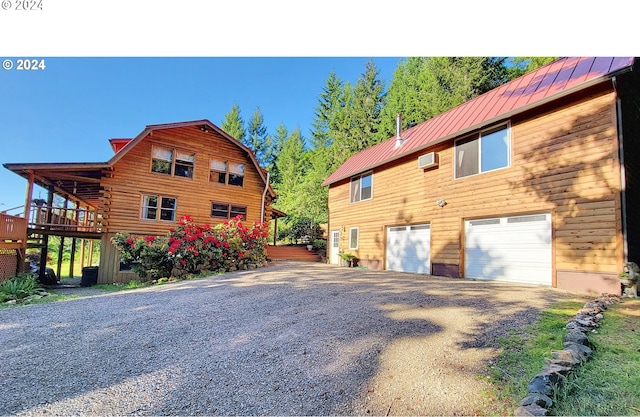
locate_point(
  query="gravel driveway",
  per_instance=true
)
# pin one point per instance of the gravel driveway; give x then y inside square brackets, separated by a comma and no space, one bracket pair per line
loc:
[288,339]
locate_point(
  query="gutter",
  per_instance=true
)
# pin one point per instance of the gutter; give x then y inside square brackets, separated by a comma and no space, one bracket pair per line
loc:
[623,174]
[264,195]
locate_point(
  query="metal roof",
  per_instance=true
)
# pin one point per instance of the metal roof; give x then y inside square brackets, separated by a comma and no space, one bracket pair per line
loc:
[552,81]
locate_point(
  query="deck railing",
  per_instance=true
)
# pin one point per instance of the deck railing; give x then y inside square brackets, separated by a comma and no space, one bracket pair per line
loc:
[12,228]
[63,219]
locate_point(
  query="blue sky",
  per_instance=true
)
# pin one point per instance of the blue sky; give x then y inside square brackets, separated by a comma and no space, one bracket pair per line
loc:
[115,66]
[68,111]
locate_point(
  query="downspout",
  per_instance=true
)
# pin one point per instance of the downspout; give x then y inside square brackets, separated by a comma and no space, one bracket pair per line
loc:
[623,176]
[264,195]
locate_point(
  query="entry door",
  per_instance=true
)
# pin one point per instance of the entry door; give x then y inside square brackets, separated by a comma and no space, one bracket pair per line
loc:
[335,247]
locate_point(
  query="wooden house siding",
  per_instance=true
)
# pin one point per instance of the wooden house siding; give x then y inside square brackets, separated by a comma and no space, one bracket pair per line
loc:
[131,178]
[564,161]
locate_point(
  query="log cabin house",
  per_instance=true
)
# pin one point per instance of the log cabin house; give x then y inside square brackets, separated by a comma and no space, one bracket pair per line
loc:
[532,182]
[167,171]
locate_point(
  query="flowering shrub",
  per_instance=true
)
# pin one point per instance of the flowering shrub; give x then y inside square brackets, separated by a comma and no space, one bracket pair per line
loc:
[147,255]
[190,248]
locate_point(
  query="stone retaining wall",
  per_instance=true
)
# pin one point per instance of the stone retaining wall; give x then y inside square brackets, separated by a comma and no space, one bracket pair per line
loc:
[577,350]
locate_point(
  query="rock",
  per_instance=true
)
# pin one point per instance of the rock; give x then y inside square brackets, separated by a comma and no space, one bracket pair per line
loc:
[530,410]
[540,384]
[576,336]
[566,357]
[591,311]
[587,322]
[554,368]
[599,316]
[537,399]
[584,352]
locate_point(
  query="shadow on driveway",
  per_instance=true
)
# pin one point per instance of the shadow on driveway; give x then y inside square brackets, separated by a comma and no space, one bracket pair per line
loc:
[288,339]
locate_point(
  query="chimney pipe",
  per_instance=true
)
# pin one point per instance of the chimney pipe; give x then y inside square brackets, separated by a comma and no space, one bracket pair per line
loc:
[398,128]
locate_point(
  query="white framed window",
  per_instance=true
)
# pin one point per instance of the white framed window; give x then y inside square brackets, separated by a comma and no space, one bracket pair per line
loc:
[236,174]
[361,187]
[485,151]
[157,207]
[353,238]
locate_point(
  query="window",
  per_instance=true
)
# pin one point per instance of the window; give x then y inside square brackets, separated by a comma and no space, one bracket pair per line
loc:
[184,164]
[353,238]
[162,160]
[236,174]
[218,171]
[172,162]
[223,172]
[227,211]
[361,187]
[487,151]
[156,207]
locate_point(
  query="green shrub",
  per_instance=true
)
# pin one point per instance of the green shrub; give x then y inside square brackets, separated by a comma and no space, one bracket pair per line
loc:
[19,287]
[148,255]
[319,244]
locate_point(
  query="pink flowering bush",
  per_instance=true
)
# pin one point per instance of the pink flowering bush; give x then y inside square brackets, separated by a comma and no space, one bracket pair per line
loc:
[147,255]
[190,248]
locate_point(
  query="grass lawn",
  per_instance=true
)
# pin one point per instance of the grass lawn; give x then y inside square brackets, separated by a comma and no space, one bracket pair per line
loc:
[608,384]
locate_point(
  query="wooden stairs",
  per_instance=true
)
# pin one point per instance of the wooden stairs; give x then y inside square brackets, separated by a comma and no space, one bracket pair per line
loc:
[292,253]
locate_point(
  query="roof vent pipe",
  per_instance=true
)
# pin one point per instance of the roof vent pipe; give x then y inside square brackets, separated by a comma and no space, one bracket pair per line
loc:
[398,128]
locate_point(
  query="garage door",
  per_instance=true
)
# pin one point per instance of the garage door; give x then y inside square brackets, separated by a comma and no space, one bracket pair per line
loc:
[408,248]
[516,249]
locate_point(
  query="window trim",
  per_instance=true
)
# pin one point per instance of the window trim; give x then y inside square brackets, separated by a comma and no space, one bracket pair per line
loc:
[358,178]
[357,230]
[478,136]
[174,159]
[159,208]
[229,205]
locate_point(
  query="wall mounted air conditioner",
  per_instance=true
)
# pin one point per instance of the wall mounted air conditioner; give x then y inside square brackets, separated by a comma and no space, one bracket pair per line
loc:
[429,160]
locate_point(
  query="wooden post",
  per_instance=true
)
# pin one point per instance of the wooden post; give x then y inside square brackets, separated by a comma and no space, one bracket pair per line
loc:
[63,218]
[72,257]
[44,251]
[82,245]
[90,261]
[275,231]
[28,197]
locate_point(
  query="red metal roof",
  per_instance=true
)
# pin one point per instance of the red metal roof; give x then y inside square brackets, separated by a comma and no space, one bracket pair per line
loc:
[561,77]
[118,143]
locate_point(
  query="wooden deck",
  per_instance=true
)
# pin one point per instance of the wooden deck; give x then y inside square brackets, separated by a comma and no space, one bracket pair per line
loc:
[292,253]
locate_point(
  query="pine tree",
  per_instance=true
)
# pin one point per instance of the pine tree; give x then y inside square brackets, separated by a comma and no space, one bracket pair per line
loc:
[426,87]
[257,138]
[233,124]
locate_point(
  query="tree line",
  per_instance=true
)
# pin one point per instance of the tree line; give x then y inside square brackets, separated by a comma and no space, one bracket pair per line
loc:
[350,118]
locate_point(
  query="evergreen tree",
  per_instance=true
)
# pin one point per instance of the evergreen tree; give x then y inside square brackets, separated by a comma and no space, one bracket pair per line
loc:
[426,87]
[278,141]
[292,166]
[257,138]
[233,124]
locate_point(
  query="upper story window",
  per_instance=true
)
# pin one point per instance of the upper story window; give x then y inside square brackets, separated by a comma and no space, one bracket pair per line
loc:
[361,187]
[223,172]
[172,162]
[486,151]
[157,207]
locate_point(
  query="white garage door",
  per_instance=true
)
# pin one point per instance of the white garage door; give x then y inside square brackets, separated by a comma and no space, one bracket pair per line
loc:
[516,249]
[408,248]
